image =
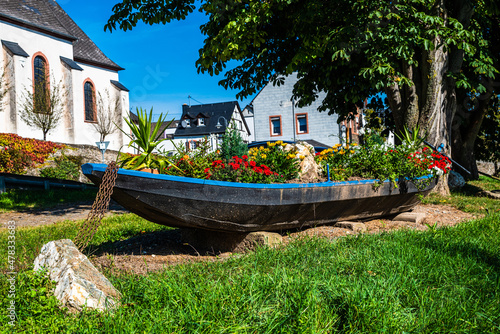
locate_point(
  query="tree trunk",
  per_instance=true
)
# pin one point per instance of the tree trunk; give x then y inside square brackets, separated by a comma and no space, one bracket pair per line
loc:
[466,127]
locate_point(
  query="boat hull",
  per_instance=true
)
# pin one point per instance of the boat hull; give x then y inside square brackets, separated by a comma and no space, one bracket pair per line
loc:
[239,207]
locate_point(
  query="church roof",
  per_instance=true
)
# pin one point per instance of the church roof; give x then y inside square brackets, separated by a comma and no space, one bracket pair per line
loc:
[48,17]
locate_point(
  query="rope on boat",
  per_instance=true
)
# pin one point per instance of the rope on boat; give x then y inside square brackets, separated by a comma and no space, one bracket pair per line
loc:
[100,206]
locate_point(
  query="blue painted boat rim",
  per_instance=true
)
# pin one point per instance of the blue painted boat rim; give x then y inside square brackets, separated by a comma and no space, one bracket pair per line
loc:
[88,168]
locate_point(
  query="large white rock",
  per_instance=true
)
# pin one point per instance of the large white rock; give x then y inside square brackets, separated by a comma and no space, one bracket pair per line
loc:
[78,282]
[309,171]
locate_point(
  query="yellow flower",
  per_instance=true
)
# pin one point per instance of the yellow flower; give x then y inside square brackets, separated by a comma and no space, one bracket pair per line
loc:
[341,152]
[270,144]
[283,144]
[185,157]
[301,157]
[354,144]
[263,156]
[335,150]
[279,142]
[291,156]
[352,151]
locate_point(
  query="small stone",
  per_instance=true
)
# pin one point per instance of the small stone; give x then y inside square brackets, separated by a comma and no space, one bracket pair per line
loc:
[309,169]
[413,217]
[353,226]
[229,241]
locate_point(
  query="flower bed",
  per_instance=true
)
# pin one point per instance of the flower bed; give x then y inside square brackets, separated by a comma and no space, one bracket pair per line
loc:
[282,162]
[17,154]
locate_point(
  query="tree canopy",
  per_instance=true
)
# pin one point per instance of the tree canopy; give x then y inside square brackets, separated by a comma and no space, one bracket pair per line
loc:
[420,53]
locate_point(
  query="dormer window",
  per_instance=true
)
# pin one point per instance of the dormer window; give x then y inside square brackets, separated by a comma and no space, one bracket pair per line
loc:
[201,121]
[188,122]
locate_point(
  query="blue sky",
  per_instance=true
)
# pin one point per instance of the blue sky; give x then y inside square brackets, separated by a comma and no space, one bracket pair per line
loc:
[159,60]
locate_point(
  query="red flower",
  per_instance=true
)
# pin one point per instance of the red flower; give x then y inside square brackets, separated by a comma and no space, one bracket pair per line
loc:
[245,156]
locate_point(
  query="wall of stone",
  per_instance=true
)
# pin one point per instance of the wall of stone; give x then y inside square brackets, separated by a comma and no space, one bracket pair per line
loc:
[88,154]
[488,167]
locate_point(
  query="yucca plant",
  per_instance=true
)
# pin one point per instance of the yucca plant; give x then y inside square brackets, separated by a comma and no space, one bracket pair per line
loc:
[412,138]
[145,142]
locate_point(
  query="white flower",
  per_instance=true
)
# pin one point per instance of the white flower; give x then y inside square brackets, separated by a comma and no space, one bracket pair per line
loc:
[439,171]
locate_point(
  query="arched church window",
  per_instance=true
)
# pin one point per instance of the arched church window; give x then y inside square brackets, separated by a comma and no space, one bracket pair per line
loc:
[90,108]
[41,84]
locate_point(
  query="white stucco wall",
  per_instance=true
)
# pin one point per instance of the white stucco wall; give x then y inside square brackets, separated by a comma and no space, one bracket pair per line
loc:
[72,127]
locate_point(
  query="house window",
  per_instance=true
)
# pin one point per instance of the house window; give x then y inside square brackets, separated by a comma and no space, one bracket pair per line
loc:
[275,123]
[40,85]
[89,95]
[201,121]
[302,126]
[188,122]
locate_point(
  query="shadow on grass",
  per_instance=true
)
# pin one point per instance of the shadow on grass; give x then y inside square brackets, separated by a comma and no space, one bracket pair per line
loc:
[466,249]
[167,242]
[469,190]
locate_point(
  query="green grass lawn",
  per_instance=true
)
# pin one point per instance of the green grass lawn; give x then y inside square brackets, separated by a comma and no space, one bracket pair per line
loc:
[442,280]
[466,199]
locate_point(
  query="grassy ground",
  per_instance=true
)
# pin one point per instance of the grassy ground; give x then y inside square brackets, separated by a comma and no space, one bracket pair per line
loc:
[441,280]
[14,199]
[467,200]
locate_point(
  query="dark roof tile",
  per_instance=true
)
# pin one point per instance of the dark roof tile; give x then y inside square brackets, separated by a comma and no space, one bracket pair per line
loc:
[47,16]
[15,49]
[71,63]
[118,85]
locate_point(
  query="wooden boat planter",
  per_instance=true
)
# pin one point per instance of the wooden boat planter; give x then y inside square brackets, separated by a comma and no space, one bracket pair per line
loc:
[246,207]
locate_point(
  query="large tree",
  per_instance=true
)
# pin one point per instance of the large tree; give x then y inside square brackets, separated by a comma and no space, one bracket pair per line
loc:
[414,51]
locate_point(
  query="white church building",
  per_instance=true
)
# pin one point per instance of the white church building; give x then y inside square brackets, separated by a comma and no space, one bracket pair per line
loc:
[40,43]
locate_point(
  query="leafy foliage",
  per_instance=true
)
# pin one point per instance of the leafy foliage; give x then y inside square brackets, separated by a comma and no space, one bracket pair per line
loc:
[277,158]
[350,49]
[65,169]
[381,162]
[487,146]
[145,139]
[18,153]
[192,163]
[232,144]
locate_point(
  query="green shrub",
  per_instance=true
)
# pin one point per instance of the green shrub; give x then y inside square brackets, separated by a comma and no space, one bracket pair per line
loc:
[232,144]
[65,169]
[381,162]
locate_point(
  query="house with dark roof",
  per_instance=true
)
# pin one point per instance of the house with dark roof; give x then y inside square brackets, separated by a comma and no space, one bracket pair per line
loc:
[41,44]
[210,121]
